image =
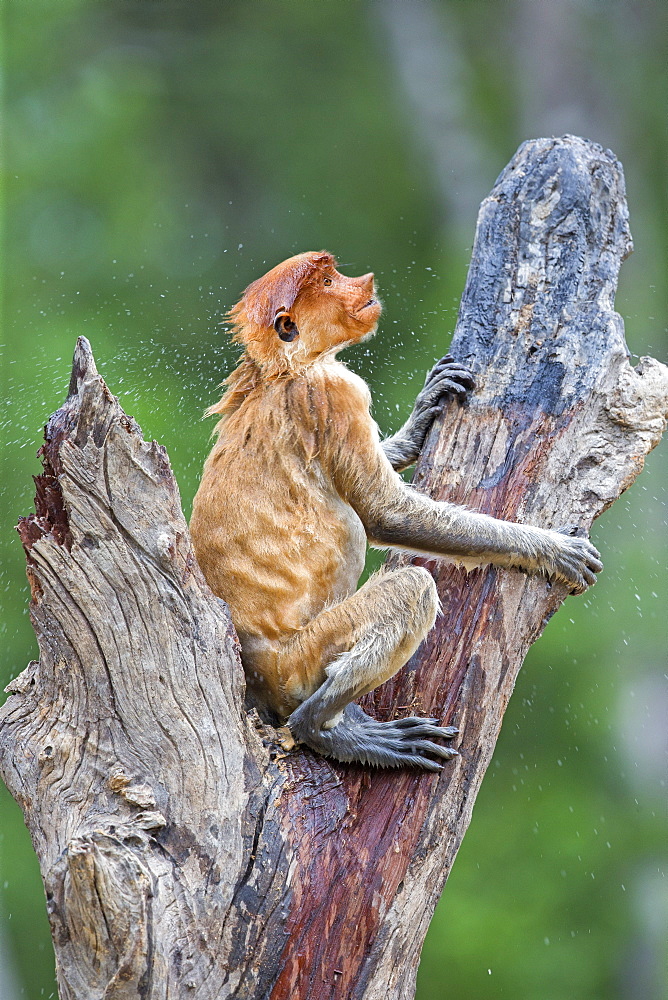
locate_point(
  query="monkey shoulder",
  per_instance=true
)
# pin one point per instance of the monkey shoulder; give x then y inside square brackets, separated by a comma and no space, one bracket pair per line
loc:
[342,394]
[341,379]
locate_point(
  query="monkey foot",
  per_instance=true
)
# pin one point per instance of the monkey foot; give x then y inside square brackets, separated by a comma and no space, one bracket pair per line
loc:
[357,737]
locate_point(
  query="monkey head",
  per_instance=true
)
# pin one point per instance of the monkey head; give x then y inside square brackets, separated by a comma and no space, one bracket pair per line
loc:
[303,309]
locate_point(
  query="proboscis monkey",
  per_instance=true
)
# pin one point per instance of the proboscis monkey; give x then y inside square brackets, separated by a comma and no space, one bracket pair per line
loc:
[298,482]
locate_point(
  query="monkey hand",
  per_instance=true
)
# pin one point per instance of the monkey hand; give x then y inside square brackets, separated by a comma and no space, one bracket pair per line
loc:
[359,738]
[573,561]
[446,378]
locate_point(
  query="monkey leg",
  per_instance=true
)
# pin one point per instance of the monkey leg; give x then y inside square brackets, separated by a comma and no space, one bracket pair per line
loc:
[388,618]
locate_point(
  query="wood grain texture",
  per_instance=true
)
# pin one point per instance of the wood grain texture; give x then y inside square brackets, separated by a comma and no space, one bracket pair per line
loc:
[183,854]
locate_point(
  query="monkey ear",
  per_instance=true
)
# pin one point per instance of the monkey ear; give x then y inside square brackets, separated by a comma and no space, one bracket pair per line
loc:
[285,326]
[277,290]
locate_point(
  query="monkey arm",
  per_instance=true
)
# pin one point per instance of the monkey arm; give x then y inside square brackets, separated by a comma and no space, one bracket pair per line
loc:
[415,522]
[445,378]
[396,515]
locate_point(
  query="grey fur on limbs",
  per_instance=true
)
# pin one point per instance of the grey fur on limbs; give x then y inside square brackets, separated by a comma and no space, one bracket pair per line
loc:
[401,606]
[446,379]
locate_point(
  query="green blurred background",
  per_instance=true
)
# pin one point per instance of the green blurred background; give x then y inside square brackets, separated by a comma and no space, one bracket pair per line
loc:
[159,156]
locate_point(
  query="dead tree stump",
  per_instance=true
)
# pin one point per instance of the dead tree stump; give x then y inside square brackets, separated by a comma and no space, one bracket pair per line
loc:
[183,854]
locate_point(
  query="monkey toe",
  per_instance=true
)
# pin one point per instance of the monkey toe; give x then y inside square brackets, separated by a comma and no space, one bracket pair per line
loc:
[425,727]
[389,746]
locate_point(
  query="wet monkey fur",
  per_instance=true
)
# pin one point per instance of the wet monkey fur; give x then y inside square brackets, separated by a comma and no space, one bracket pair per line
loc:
[296,485]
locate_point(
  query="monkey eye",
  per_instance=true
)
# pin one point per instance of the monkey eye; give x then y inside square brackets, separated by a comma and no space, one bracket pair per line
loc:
[326,281]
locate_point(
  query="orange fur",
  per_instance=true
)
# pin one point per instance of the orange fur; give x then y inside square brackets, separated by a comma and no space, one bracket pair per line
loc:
[272,531]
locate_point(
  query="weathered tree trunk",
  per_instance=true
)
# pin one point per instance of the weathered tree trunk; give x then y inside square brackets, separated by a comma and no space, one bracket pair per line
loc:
[183,854]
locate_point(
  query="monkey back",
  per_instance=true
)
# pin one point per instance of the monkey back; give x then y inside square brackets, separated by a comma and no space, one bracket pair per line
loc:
[271,534]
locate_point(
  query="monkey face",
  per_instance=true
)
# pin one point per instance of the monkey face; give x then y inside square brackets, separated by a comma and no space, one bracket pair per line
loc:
[302,309]
[333,310]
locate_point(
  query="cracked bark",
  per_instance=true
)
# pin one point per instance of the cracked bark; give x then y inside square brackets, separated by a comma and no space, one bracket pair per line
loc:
[183,855]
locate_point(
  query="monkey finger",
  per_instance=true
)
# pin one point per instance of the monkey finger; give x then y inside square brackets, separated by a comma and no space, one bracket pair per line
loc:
[460,375]
[453,371]
[447,732]
[446,387]
[452,365]
[593,559]
[455,386]
[438,368]
[459,369]
[587,556]
[577,577]
[447,359]
[582,545]
[412,741]
[417,752]
[413,720]
[399,753]
[440,390]
[450,730]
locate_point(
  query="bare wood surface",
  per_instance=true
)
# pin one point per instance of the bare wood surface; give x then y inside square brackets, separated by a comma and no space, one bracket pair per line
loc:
[182,855]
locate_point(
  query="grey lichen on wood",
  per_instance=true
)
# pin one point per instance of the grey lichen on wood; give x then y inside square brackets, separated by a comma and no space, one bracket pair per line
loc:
[183,853]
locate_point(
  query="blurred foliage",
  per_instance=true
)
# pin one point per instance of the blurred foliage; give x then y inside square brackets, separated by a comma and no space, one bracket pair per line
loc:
[160,155]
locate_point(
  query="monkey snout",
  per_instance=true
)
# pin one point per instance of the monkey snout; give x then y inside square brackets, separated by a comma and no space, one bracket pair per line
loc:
[367,285]
[367,290]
